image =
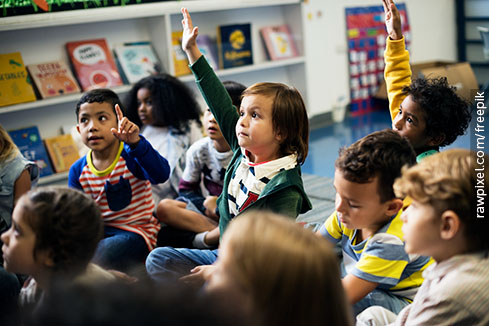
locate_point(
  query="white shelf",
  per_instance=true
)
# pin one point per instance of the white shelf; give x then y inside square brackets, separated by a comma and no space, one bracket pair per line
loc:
[53,178]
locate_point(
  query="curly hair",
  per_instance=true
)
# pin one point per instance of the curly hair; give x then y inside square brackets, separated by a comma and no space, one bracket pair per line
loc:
[68,225]
[380,154]
[174,104]
[445,112]
[99,95]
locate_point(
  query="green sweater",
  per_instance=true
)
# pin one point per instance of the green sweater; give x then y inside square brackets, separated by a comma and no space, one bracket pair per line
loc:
[284,193]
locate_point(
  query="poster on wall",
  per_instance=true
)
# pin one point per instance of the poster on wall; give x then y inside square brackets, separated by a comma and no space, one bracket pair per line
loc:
[366,37]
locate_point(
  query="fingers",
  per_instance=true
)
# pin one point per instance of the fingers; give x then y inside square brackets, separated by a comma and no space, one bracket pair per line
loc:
[118,112]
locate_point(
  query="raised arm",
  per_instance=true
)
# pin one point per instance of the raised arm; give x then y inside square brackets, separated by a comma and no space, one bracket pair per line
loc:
[189,37]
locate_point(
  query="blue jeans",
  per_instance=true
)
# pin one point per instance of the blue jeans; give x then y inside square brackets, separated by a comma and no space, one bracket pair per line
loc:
[380,298]
[120,250]
[169,264]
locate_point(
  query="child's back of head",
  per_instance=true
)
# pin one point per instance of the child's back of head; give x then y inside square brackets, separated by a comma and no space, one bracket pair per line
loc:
[235,91]
[380,154]
[99,95]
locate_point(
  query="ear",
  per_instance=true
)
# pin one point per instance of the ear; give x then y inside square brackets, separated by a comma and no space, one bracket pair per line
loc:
[393,206]
[450,225]
[78,128]
[436,140]
[45,258]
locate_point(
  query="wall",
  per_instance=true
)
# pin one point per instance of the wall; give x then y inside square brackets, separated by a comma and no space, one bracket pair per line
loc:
[433,38]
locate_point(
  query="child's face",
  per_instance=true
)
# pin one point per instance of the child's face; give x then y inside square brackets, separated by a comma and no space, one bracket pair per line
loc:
[421,229]
[145,106]
[255,128]
[410,122]
[358,204]
[211,126]
[18,244]
[94,123]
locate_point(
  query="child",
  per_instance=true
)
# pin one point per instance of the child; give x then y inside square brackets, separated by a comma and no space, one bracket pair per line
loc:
[269,138]
[53,236]
[117,176]
[280,272]
[427,111]
[207,159]
[367,223]
[169,117]
[443,222]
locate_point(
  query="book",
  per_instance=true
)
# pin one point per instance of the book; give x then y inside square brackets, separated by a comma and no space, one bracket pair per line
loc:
[208,47]
[180,61]
[15,84]
[136,60]
[93,64]
[53,79]
[234,44]
[279,42]
[30,144]
[63,152]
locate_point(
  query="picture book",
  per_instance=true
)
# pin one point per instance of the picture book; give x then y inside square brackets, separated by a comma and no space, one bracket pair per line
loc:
[180,62]
[63,152]
[279,42]
[15,84]
[234,44]
[93,64]
[29,142]
[53,79]
[208,48]
[136,60]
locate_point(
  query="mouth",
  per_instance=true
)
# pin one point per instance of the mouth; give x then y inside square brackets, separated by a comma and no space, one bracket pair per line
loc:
[211,130]
[143,118]
[94,138]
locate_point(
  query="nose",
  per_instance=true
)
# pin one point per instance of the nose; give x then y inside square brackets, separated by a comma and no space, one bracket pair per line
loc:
[404,216]
[340,205]
[243,120]
[4,237]
[93,125]
[141,107]
[398,123]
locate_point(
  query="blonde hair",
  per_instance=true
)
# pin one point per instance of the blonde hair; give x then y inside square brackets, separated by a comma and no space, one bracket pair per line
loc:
[292,275]
[447,181]
[8,149]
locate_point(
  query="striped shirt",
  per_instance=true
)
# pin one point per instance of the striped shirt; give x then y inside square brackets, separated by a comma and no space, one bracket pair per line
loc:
[381,258]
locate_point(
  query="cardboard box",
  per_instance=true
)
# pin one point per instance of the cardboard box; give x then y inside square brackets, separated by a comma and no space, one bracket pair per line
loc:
[459,75]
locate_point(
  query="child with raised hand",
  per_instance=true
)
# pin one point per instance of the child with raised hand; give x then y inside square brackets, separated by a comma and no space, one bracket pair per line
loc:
[426,111]
[190,217]
[117,173]
[169,117]
[269,138]
[53,237]
[367,224]
[446,221]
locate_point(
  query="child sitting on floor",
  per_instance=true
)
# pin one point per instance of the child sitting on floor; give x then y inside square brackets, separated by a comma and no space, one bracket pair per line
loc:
[447,220]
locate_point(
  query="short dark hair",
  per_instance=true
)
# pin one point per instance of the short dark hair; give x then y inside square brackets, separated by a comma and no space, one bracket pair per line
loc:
[235,90]
[99,95]
[380,154]
[174,104]
[289,117]
[68,225]
[445,112]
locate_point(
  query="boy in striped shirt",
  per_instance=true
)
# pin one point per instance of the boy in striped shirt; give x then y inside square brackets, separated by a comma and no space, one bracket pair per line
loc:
[376,269]
[118,172]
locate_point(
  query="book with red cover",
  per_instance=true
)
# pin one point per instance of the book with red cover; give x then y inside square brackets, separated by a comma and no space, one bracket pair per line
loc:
[279,42]
[93,64]
[53,79]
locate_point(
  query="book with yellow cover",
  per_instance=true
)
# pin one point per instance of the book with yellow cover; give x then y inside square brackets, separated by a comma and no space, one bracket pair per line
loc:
[180,61]
[15,84]
[62,152]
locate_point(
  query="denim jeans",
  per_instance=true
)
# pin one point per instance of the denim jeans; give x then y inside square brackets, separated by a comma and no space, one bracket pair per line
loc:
[168,264]
[120,250]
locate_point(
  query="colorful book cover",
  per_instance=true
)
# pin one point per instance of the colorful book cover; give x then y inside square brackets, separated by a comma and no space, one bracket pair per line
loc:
[180,61]
[279,42]
[93,64]
[63,152]
[15,84]
[208,47]
[136,60]
[234,43]
[53,79]
[30,144]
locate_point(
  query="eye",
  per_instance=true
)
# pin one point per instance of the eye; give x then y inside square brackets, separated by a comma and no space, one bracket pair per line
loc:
[241,113]
[149,102]
[103,118]
[353,205]
[254,115]
[410,120]
[400,111]
[83,120]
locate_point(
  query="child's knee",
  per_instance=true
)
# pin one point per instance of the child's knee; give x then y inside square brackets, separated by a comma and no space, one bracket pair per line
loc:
[163,209]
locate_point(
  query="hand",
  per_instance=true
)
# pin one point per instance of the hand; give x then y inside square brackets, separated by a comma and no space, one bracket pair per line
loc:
[121,276]
[199,275]
[210,204]
[392,20]
[189,37]
[128,131]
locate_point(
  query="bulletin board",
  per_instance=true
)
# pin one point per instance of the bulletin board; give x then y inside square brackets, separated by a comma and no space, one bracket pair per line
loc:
[366,37]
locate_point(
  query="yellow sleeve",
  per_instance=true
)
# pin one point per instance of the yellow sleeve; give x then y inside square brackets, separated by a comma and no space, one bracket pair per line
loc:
[397,73]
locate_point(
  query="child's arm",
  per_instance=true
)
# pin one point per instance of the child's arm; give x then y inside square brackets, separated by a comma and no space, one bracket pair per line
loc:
[356,288]
[397,71]
[214,93]
[22,184]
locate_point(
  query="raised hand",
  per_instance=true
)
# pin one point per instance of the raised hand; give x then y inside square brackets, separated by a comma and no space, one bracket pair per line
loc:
[127,132]
[392,20]
[189,37]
